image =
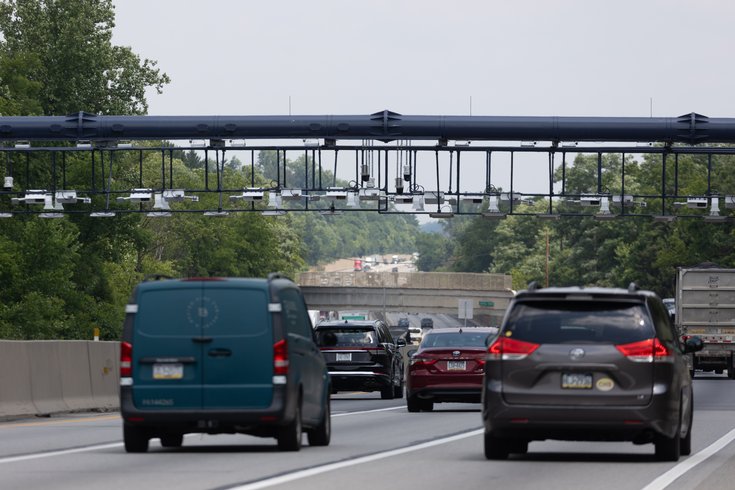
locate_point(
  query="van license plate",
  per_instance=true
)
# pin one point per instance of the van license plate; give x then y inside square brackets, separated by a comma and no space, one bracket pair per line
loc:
[168,371]
[344,356]
[456,365]
[576,381]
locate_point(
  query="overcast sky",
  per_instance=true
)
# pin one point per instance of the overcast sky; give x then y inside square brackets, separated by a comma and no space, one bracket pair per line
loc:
[510,58]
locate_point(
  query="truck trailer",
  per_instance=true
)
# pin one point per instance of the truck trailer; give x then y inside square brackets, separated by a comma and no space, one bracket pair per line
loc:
[705,307]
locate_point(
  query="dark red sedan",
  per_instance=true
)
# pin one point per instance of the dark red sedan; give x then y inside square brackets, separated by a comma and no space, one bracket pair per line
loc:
[447,367]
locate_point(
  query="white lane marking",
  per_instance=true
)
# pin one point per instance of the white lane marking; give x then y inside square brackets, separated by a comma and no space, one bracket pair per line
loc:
[61,452]
[670,476]
[297,475]
[27,457]
[342,414]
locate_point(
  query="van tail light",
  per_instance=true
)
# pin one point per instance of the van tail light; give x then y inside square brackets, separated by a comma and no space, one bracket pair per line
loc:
[509,349]
[280,358]
[649,350]
[126,360]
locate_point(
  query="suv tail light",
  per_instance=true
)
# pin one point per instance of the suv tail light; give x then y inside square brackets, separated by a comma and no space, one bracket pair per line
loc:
[280,358]
[649,350]
[126,360]
[509,349]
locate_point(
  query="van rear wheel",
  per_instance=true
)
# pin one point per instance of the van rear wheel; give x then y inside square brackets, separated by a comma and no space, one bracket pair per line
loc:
[135,438]
[386,393]
[495,447]
[289,436]
[322,433]
[172,440]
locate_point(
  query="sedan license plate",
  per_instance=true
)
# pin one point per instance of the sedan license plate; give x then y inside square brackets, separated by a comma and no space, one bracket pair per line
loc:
[576,381]
[168,371]
[344,356]
[456,365]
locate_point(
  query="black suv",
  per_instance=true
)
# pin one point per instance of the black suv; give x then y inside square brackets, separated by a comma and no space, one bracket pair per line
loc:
[594,364]
[362,356]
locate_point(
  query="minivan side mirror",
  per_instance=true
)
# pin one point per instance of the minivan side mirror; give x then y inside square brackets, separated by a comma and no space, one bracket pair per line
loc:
[693,344]
[401,342]
[411,352]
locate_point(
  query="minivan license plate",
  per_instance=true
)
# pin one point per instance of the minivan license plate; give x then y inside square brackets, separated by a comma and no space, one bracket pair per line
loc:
[344,356]
[456,365]
[168,371]
[576,381]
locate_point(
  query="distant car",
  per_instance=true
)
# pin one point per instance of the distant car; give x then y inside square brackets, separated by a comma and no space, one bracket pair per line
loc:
[447,367]
[362,356]
[427,323]
[596,364]
[670,304]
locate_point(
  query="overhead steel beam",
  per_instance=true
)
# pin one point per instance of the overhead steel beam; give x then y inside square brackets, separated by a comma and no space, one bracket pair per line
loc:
[384,126]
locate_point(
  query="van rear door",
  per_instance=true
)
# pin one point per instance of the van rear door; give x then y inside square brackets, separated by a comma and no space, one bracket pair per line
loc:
[238,361]
[167,347]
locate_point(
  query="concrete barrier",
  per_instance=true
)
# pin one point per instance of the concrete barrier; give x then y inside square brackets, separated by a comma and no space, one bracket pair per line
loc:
[46,377]
[43,377]
[104,371]
[76,385]
[15,379]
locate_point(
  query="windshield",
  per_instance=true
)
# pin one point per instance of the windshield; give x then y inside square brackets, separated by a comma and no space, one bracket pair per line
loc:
[346,337]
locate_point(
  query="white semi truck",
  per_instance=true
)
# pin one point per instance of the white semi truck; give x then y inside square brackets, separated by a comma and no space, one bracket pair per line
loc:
[705,307]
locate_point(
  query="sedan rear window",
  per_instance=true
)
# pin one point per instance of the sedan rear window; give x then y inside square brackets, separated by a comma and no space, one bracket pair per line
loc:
[346,337]
[455,339]
[579,322]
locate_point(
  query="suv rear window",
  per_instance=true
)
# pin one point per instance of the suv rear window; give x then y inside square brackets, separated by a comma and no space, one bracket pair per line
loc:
[579,322]
[347,337]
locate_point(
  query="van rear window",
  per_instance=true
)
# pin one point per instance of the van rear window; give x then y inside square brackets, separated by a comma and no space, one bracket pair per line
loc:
[579,322]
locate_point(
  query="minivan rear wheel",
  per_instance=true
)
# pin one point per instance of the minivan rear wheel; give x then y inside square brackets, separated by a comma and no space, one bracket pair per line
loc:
[135,438]
[495,447]
[669,448]
[386,393]
[289,436]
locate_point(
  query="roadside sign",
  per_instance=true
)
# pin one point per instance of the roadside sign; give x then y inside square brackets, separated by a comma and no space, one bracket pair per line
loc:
[465,309]
[487,304]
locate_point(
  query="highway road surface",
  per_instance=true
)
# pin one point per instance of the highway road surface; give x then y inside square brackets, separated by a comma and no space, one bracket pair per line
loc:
[376,444]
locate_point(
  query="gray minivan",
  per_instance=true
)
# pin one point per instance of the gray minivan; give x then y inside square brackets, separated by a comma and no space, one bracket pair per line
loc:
[221,355]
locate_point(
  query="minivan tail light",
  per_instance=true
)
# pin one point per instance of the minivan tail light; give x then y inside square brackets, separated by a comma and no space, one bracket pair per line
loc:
[509,349]
[649,350]
[280,358]
[126,359]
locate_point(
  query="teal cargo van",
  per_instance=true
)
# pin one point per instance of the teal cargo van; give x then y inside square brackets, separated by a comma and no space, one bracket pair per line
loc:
[221,355]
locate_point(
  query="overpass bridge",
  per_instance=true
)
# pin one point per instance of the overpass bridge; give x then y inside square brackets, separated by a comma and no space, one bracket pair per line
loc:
[409,292]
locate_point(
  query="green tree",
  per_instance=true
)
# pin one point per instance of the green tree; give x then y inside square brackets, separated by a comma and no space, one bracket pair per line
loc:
[64,59]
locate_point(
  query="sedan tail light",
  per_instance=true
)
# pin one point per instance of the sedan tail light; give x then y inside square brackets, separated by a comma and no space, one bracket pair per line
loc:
[649,350]
[509,349]
[421,361]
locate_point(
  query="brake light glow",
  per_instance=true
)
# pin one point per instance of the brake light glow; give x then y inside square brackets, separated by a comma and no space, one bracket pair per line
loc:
[649,350]
[280,358]
[509,349]
[126,360]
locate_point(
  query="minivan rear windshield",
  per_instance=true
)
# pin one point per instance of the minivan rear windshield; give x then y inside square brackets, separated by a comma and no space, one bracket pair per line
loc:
[346,337]
[579,322]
